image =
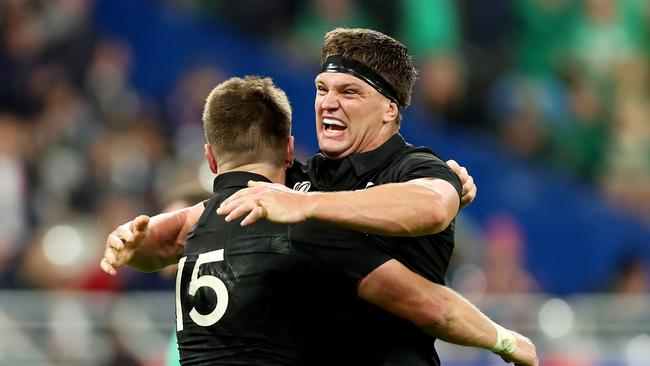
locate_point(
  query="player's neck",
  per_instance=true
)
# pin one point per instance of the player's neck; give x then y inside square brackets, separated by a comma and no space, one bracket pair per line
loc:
[274,173]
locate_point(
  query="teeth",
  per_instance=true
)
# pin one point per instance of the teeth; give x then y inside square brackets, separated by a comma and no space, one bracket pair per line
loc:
[330,121]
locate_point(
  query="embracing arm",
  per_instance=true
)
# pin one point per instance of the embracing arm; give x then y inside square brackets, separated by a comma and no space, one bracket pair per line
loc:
[441,312]
[418,207]
[414,208]
[149,244]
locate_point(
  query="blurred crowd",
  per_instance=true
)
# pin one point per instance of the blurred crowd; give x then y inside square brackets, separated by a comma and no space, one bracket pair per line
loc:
[560,82]
[80,150]
[564,83]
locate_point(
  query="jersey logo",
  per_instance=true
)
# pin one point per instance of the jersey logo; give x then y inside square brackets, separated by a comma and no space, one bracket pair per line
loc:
[302,186]
[368,185]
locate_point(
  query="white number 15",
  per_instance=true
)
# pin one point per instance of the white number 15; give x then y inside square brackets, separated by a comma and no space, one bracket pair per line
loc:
[197,282]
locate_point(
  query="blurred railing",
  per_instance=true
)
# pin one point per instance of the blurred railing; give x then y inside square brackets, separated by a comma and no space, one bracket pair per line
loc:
[67,328]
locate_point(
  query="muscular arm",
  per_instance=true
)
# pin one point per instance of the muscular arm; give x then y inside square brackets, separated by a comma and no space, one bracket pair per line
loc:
[418,207]
[414,208]
[437,310]
[152,245]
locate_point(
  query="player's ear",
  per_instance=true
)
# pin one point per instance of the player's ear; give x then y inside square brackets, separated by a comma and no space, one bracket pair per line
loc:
[290,151]
[209,156]
[391,112]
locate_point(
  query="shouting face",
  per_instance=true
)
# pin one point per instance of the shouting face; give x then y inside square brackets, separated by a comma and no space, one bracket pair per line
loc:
[351,116]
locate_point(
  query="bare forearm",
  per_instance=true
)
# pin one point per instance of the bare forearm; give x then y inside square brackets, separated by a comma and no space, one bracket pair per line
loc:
[163,244]
[399,209]
[460,322]
[151,264]
[436,309]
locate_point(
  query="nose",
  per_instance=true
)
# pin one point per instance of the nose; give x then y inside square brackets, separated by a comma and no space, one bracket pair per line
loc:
[329,101]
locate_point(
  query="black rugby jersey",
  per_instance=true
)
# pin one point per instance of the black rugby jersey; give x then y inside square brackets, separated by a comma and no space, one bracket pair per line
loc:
[253,295]
[377,337]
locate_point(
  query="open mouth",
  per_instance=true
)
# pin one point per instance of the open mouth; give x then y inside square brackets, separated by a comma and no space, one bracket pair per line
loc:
[333,127]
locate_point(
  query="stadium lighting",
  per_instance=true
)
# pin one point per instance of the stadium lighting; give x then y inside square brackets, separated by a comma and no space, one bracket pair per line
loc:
[62,245]
[637,350]
[555,318]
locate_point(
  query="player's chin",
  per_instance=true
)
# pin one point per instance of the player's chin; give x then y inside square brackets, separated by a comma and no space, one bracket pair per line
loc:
[333,149]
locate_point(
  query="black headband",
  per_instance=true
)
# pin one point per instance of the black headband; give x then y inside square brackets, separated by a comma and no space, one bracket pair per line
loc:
[360,71]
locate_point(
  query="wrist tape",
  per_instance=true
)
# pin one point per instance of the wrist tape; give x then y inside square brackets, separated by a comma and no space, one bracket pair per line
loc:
[506,341]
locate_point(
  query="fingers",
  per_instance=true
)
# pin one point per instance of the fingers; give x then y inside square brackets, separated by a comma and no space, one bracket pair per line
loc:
[252,208]
[257,213]
[242,193]
[140,223]
[113,245]
[462,174]
[139,227]
[469,192]
[106,267]
[238,202]
[113,241]
[454,166]
[525,353]
[253,183]
[124,234]
[238,209]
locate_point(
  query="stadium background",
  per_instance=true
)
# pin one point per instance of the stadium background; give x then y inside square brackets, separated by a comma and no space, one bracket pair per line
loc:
[546,102]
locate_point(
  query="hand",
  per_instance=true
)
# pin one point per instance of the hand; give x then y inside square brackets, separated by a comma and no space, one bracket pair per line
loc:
[122,243]
[467,182]
[524,354]
[262,200]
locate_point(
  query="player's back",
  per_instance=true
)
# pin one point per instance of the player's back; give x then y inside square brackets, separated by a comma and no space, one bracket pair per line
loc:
[236,298]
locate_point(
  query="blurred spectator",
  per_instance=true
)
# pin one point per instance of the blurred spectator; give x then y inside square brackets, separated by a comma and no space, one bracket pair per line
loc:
[580,142]
[107,81]
[633,278]
[504,257]
[487,29]
[529,100]
[627,181]
[431,31]
[13,200]
[317,17]
[522,111]
[184,111]
[81,151]
[601,38]
[543,26]
[260,18]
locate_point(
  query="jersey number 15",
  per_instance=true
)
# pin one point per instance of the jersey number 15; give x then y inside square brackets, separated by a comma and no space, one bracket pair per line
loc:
[197,282]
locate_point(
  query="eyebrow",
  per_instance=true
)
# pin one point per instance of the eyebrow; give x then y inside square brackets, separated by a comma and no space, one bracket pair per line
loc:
[341,86]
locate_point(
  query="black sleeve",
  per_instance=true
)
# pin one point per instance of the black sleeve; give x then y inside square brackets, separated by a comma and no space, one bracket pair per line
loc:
[426,165]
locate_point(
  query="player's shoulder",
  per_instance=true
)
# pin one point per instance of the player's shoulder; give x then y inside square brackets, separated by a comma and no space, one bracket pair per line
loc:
[420,154]
[417,157]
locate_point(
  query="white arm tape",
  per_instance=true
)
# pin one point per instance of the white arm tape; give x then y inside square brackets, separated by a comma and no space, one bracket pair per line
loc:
[506,341]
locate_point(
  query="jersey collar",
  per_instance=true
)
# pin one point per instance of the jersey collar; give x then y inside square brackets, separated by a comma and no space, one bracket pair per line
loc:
[368,161]
[236,179]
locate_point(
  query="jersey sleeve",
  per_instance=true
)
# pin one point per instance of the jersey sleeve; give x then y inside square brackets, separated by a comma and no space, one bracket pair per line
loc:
[426,165]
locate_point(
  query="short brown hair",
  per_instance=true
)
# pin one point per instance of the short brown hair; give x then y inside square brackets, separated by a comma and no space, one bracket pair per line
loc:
[248,120]
[383,54]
